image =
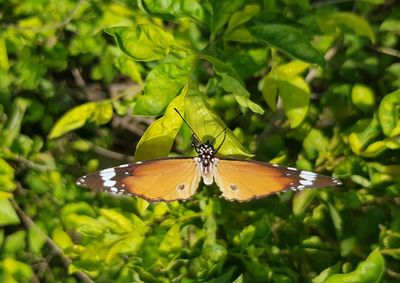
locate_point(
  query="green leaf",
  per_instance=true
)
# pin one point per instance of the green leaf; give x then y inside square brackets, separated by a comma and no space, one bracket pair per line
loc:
[14,271]
[369,271]
[302,201]
[269,90]
[8,216]
[241,95]
[163,83]
[222,11]
[207,125]
[240,17]
[14,243]
[158,139]
[246,236]
[315,143]
[4,64]
[336,219]
[232,83]
[296,98]
[360,139]
[389,114]
[354,22]
[36,239]
[173,9]
[84,224]
[292,68]
[289,40]
[144,42]
[6,176]
[61,238]
[172,241]
[118,219]
[363,97]
[98,112]
[127,245]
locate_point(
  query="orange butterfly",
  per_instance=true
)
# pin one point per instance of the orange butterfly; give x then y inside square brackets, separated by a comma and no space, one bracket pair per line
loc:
[169,179]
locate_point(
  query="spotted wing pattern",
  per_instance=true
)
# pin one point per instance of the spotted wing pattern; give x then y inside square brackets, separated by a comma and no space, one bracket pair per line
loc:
[244,180]
[155,180]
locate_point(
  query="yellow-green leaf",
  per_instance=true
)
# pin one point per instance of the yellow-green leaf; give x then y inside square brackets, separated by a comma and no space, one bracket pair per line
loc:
[389,114]
[158,139]
[98,112]
[143,42]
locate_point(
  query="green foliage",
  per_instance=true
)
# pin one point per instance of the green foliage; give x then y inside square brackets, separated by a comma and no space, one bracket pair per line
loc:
[317,83]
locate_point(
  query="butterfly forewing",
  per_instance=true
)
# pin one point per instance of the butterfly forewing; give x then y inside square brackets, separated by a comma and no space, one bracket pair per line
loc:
[156,180]
[245,180]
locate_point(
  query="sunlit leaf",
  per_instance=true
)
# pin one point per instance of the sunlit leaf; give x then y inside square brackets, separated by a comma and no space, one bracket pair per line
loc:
[172,241]
[389,114]
[144,42]
[4,64]
[293,68]
[8,216]
[61,238]
[127,245]
[208,125]
[363,97]
[117,218]
[163,83]
[295,100]
[289,40]
[369,271]
[270,92]
[158,139]
[98,112]
[6,176]
[354,22]
[36,239]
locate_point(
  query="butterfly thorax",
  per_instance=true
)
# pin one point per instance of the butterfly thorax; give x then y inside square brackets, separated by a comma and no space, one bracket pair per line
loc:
[206,161]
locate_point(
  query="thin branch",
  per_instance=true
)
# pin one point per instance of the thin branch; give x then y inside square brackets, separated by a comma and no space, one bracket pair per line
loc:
[328,56]
[29,223]
[387,51]
[112,154]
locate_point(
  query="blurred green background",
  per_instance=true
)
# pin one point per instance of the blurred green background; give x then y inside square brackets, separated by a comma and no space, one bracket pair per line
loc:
[84,83]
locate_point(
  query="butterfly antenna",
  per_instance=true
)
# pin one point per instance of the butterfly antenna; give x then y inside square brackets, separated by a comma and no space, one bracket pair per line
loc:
[224,130]
[223,140]
[187,124]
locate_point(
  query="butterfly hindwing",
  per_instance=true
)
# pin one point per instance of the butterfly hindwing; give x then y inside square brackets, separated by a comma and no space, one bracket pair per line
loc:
[245,179]
[165,179]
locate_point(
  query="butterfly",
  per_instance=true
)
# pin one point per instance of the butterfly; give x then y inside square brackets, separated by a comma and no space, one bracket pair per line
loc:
[177,178]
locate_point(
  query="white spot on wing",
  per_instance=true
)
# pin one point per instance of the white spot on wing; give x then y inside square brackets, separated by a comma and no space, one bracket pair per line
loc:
[123,165]
[306,182]
[109,183]
[292,168]
[309,176]
[139,162]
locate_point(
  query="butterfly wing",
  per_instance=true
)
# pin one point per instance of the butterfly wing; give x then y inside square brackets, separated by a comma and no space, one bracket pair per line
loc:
[155,180]
[244,180]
